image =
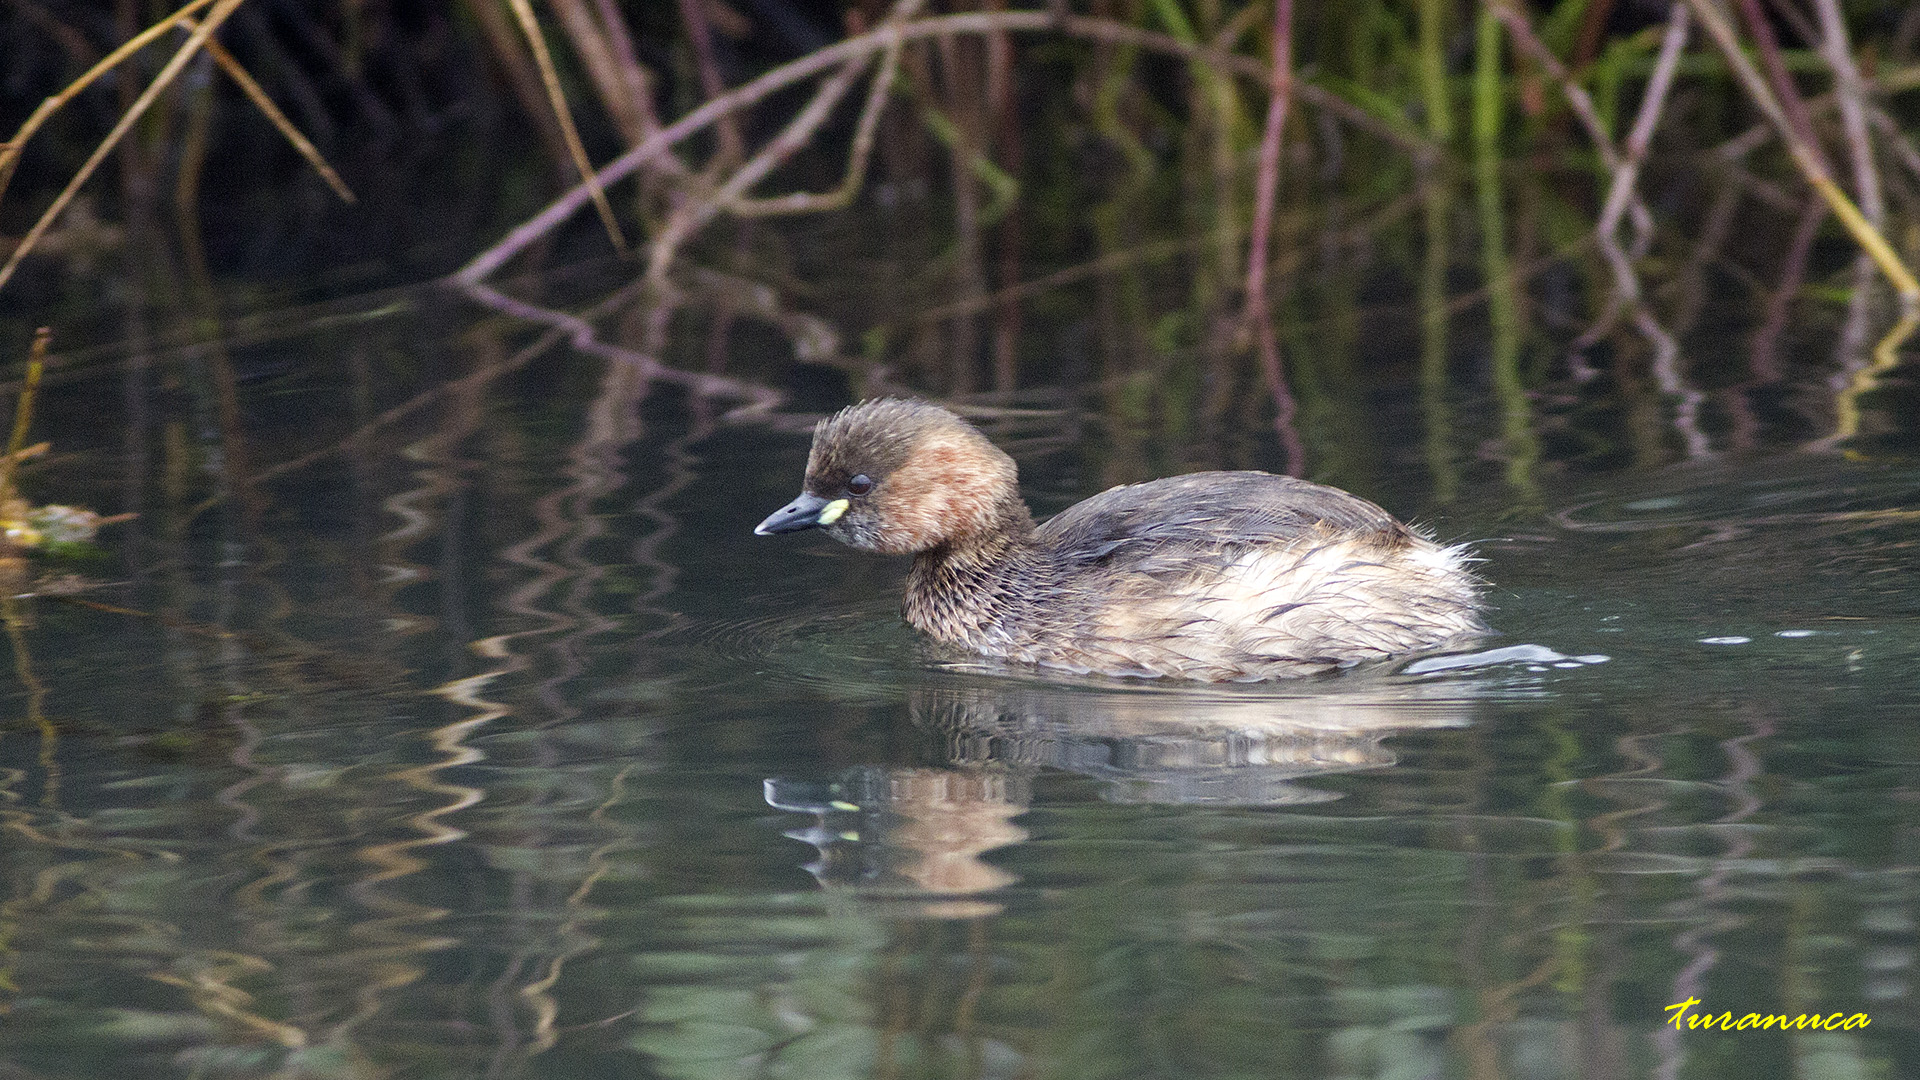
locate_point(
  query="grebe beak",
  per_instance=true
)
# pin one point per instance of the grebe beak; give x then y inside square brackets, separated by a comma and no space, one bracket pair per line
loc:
[806,512]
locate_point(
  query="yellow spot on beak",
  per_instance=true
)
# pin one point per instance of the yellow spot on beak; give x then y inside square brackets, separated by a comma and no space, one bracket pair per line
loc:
[831,512]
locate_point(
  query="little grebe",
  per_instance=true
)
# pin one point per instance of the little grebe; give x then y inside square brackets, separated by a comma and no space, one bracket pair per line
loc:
[1214,576]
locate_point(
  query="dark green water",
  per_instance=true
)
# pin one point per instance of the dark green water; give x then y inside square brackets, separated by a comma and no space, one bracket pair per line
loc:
[476,735]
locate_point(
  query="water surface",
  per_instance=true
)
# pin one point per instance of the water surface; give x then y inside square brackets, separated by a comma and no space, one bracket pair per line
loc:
[461,727]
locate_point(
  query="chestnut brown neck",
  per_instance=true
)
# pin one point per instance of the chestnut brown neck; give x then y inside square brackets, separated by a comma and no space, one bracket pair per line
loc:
[962,590]
[1007,530]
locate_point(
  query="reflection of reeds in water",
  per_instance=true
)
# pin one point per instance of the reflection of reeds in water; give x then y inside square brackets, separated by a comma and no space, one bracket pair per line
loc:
[568,521]
[392,946]
[1707,913]
[916,834]
[335,911]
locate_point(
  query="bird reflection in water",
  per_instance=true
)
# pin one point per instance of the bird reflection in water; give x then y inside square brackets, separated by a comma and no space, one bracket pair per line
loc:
[911,832]
[919,832]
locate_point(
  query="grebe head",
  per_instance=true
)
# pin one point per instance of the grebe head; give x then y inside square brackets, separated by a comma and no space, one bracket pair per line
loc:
[901,477]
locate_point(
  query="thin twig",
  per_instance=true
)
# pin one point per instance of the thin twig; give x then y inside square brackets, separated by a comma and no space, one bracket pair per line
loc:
[265,104]
[1852,92]
[11,149]
[1885,82]
[1812,165]
[1267,181]
[1798,123]
[813,341]
[1651,102]
[700,32]
[1369,223]
[1010,141]
[690,215]
[530,26]
[23,410]
[1578,99]
[1892,136]
[635,77]
[1257,317]
[503,40]
[1688,287]
[582,336]
[619,80]
[1764,353]
[952,112]
[168,72]
[841,52]
[1626,282]
[801,202]
[1105,264]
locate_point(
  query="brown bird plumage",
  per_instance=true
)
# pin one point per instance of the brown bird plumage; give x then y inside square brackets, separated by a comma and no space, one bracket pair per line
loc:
[1214,576]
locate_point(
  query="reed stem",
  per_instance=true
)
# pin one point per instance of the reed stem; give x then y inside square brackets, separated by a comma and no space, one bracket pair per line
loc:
[23,410]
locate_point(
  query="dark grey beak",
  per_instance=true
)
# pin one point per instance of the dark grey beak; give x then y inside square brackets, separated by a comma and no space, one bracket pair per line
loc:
[801,513]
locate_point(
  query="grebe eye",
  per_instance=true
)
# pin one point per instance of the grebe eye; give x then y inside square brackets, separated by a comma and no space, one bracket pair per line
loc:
[860,485]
